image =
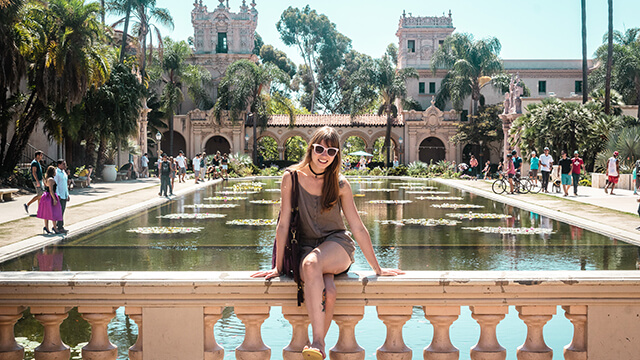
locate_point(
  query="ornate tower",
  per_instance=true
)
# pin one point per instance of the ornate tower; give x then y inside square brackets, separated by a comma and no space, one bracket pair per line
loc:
[419,37]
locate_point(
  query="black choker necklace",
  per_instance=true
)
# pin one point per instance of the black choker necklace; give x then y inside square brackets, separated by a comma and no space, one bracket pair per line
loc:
[315,173]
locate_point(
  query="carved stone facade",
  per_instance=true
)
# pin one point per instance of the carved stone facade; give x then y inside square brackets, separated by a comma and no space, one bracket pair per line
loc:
[419,37]
[222,31]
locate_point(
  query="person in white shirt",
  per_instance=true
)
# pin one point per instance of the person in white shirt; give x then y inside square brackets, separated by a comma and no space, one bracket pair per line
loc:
[62,189]
[196,167]
[144,165]
[613,172]
[182,166]
[546,165]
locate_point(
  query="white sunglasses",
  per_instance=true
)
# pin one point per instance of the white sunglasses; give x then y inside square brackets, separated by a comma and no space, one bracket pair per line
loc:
[319,149]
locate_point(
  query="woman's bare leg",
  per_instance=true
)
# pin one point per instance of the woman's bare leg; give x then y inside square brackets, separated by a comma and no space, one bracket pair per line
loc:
[329,300]
[328,258]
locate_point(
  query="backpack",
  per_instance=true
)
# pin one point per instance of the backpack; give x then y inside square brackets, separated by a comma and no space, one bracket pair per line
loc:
[166,168]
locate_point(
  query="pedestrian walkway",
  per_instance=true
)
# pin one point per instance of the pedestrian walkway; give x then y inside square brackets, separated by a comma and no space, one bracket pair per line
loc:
[88,208]
[612,215]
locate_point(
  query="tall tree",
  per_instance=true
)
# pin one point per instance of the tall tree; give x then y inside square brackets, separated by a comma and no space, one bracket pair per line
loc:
[467,61]
[320,44]
[382,78]
[607,86]
[241,90]
[66,57]
[173,73]
[585,89]
[122,7]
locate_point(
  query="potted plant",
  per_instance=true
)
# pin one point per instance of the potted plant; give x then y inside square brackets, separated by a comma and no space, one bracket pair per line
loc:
[109,172]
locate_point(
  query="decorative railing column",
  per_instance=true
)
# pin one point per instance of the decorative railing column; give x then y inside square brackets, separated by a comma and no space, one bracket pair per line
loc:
[441,317]
[488,317]
[52,347]
[394,347]
[252,348]
[347,347]
[577,350]
[135,313]
[99,346]
[299,320]
[9,348]
[212,350]
[534,347]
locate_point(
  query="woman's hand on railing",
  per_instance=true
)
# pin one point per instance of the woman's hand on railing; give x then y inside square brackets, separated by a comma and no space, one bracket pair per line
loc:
[390,272]
[267,274]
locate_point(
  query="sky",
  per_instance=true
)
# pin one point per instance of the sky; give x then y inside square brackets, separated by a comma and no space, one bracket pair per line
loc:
[527,29]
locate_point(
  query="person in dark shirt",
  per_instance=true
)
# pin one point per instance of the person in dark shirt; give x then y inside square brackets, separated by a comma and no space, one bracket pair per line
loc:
[565,169]
[37,179]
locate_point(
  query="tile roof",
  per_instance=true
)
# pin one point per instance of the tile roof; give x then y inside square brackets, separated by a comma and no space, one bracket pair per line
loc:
[334,120]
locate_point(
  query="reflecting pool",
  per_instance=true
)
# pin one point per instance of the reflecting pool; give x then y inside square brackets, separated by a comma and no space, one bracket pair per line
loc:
[482,240]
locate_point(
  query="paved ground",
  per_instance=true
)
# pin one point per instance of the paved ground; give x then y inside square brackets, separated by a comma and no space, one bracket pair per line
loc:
[613,215]
[87,209]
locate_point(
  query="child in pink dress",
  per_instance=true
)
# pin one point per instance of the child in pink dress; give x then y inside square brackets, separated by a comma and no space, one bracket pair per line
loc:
[49,207]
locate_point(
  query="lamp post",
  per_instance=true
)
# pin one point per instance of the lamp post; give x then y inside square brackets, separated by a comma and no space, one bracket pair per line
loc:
[400,140]
[159,138]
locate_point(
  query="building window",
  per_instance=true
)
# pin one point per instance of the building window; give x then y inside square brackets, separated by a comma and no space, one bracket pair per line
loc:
[432,87]
[578,87]
[420,88]
[440,42]
[464,115]
[222,43]
[411,46]
[542,87]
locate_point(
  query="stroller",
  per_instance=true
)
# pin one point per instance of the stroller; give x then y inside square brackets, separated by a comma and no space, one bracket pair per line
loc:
[554,179]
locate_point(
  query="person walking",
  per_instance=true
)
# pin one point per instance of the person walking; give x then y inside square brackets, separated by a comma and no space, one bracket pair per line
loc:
[172,176]
[636,177]
[160,153]
[577,165]
[517,162]
[144,166]
[546,165]
[533,168]
[165,175]
[36,178]
[327,249]
[511,172]
[473,162]
[565,171]
[613,172]
[487,170]
[203,166]
[62,190]
[196,167]
[224,164]
[181,161]
[49,206]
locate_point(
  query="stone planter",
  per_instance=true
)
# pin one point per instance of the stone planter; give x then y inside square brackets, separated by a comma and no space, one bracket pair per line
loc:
[625,181]
[109,173]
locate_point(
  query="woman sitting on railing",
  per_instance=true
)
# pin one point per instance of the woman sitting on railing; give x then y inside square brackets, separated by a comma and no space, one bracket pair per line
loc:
[326,249]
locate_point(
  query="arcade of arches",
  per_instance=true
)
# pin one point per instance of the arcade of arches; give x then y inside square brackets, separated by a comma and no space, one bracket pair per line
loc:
[415,135]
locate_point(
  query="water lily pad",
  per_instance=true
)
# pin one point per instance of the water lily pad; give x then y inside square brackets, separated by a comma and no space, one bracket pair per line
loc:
[165,230]
[253,222]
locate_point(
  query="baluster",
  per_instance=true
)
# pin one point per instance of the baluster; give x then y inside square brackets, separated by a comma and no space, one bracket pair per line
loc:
[347,348]
[252,348]
[52,347]
[299,320]
[135,313]
[577,349]
[394,347]
[212,350]
[488,317]
[99,346]
[9,348]
[534,347]
[441,317]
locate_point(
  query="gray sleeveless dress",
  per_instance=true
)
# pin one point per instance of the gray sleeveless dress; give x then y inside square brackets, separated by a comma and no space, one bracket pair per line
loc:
[317,226]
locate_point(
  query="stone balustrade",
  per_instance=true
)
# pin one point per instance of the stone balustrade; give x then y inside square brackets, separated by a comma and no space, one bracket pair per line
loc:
[176,312]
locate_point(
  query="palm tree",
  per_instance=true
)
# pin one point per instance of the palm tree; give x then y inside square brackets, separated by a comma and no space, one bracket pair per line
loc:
[467,61]
[144,13]
[585,92]
[122,7]
[66,58]
[241,90]
[389,84]
[607,86]
[175,74]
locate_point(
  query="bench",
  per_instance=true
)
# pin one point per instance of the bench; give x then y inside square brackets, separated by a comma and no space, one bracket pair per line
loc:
[7,194]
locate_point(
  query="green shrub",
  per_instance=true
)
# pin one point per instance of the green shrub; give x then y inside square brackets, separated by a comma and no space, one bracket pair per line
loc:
[418,168]
[271,171]
[376,171]
[400,170]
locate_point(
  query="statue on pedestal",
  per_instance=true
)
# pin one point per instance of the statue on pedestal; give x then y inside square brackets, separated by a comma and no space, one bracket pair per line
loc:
[512,102]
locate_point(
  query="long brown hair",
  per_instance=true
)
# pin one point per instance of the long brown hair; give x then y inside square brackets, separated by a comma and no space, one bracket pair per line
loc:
[51,172]
[331,186]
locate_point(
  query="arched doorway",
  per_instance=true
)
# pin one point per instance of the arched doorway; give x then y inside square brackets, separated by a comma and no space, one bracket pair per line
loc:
[472,149]
[179,143]
[217,143]
[430,149]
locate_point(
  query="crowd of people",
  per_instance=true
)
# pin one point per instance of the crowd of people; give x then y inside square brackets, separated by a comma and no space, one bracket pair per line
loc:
[204,169]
